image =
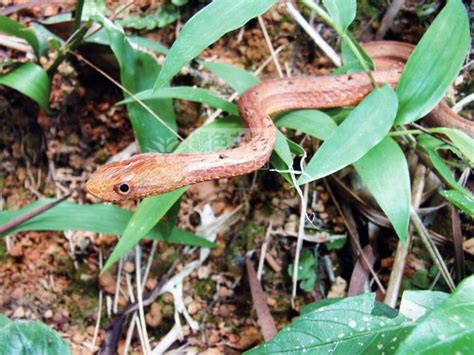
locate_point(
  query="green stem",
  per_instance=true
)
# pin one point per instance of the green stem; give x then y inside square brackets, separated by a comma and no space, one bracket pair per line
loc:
[344,35]
[72,43]
[405,133]
[78,15]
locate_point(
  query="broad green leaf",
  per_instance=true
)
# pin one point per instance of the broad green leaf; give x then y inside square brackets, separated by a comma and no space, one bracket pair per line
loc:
[416,304]
[308,308]
[448,329]
[384,170]
[434,64]
[460,139]
[206,27]
[342,12]
[152,209]
[13,28]
[238,79]
[364,128]
[312,122]
[138,72]
[348,326]
[99,218]
[31,80]
[462,200]
[28,337]
[186,93]
[3,321]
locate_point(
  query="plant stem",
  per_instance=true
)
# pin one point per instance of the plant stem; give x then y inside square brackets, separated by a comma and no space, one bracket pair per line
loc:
[429,244]
[72,43]
[405,133]
[344,35]
[78,15]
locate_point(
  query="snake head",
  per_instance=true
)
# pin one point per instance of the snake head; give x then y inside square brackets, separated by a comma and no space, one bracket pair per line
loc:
[142,175]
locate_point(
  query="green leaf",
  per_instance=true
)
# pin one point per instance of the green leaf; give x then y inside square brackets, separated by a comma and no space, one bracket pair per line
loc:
[364,128]
[30,80]
[99,218]
[337,242]
[308,308]
[152,209]
[148,44]
[279,165]
[434,64]
[448,329]
[384,170]
[138,72]
[415,304]
[306,271]
[351,62]
[186,93]
[460,139]
[27,337]
[462,200]
[238,79]
[13,28]
[3,321]
[312,122]
[162,17]
[206,27]
[282,149]
[348,326]
[179,2]
[430,145]
[342,12]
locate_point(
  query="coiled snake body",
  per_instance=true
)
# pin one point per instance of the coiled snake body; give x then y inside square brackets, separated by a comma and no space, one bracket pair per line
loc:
[154,173]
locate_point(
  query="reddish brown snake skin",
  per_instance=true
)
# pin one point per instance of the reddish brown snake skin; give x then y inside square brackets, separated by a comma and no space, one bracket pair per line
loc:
[154,173]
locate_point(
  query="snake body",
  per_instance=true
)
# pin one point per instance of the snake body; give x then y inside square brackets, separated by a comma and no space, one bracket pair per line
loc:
[155,173]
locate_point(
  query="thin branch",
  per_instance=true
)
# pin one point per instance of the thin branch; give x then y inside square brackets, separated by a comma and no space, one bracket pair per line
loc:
[387,20]
[265,320]
[270,46]
[317,38]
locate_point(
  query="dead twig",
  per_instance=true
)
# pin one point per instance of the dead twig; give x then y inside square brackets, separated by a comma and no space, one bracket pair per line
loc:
[387,20]
[265,320]
[354,238]
[458,248]
[396,276]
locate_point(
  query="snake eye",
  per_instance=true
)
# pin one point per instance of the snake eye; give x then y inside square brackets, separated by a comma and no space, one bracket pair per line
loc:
[123,188]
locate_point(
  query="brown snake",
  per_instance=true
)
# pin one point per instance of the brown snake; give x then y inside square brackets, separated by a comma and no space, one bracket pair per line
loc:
[154,173]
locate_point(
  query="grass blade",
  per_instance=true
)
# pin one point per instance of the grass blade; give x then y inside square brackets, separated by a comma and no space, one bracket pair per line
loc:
[385,172]
[186,93]
[16,29]
[138,72]
[312,122]
[238,79]
[434,64]
[206,27]
[99,218]
[342,12]
[31,80]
